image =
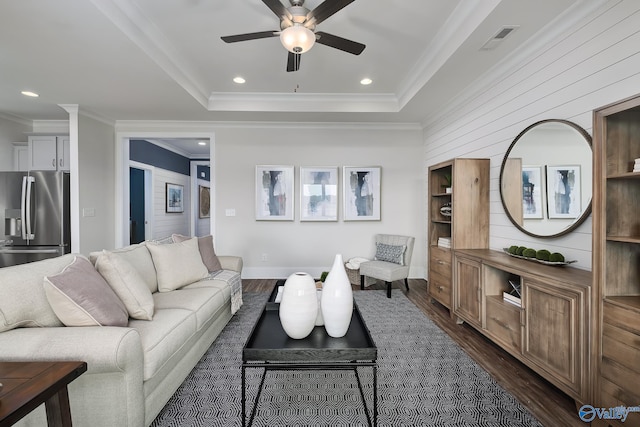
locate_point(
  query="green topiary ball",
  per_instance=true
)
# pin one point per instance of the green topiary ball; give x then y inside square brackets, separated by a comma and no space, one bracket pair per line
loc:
[529,253]
[520,250]
[513,249]
[556,257]
[543,255]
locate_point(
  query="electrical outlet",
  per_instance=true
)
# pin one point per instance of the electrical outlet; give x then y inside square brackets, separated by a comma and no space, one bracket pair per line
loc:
[265,258]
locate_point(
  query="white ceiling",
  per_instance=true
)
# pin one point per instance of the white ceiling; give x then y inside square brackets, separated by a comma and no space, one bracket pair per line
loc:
[164,60]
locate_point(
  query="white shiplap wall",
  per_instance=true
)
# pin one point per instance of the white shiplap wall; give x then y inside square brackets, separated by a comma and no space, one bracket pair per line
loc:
[594,63]
[165,223]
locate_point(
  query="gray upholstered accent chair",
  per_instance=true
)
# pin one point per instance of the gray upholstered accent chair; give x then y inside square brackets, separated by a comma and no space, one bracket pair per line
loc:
[391,260]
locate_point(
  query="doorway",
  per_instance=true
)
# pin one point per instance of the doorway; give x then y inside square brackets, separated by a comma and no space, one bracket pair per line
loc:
[136,206]
[140,203]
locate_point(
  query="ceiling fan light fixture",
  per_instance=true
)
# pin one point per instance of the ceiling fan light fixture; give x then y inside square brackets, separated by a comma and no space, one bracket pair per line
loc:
[297,38]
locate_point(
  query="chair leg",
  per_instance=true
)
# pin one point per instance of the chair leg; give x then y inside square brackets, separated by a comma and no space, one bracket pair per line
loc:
[388,289]
[361,282]
[406,283]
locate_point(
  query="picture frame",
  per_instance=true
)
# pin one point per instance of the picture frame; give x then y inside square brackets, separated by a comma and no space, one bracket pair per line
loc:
[564,188]
[318,193]
[532,207]
[204,202]
[174,198]
[274,193]
[361,193]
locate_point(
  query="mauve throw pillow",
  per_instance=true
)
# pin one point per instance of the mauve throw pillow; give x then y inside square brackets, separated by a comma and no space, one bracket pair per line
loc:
[80,296]
[207,252]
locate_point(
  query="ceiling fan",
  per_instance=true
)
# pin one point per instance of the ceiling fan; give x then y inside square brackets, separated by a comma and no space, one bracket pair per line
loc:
[298,29]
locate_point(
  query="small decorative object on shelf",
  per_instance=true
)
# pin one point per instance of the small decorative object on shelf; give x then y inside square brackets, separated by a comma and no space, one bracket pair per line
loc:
[542,256]
[299,305]
[636,166]
[446,209]
[337,300]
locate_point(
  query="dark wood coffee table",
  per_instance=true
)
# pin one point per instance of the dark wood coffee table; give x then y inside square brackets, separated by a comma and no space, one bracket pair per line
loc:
[26,385]
[269,347]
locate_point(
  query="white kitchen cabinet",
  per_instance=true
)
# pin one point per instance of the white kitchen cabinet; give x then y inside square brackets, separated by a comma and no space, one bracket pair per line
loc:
[49,152]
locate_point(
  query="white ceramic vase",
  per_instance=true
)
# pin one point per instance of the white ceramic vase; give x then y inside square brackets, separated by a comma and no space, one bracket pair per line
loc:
[337,300]
[299,305]
[319,319]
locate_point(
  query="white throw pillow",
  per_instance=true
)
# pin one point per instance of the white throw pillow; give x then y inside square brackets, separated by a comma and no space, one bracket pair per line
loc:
[177,264]
[128,284]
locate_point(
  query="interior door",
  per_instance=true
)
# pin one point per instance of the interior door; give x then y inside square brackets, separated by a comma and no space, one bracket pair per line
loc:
[136,205]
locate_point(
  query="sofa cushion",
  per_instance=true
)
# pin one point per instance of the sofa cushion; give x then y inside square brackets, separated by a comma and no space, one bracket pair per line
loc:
[204,302]
[207,252]
[164,336]
[177,264]
[23,302]
[80,296]
[127,283]
[138,256]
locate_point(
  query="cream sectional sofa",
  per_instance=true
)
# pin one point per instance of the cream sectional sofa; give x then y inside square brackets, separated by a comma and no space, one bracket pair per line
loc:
[133,369]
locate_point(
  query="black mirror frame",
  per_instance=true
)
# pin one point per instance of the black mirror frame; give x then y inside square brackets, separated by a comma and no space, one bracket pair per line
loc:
[585,214]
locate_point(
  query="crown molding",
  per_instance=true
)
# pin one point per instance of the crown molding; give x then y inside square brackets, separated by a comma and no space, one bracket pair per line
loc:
[51,126]
[304,102]
[203,129]
[16,119]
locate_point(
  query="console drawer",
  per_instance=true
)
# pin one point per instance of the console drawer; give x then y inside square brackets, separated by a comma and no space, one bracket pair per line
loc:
[440,261]
[503,322]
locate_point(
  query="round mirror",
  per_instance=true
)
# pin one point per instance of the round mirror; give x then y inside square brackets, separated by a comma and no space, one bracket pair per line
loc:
[546,178]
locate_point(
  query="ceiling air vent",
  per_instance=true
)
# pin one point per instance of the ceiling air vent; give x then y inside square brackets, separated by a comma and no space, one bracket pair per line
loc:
[499,36]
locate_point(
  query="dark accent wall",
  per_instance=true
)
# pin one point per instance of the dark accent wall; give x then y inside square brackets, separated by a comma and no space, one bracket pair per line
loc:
[145,152]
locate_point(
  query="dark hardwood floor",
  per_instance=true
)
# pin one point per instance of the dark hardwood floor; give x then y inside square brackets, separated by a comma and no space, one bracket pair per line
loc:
[548,404]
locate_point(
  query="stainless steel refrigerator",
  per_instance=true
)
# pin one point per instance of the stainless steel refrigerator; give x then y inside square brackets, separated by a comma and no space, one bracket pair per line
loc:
[34,216]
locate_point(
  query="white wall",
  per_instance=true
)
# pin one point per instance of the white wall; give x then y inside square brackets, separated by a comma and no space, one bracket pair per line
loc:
[596,63]
[167,223]
[10,132]
[96,176]
[311,246]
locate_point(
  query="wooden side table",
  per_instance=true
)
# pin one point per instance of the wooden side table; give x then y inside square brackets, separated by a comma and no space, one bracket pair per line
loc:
[26,385]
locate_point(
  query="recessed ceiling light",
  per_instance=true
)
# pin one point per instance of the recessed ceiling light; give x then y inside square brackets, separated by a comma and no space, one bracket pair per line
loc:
[366,81]
[29,93]
[239,80]
[202,143]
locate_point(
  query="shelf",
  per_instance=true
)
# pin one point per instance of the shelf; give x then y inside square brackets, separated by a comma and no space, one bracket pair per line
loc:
[623,239]
[442,195]
[629,302]
[441,221]
[625,175]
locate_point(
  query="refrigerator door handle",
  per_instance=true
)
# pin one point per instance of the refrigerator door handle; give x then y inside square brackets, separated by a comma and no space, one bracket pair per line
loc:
[25,207]
[28,251]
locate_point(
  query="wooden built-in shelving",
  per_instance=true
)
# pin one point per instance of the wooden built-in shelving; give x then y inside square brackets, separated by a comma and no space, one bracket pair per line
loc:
[616,256]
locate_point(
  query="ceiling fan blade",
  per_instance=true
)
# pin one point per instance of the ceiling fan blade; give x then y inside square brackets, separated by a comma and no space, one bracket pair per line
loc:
[249,36]
[327,8]
[339,43]
[293,61]
[278,8]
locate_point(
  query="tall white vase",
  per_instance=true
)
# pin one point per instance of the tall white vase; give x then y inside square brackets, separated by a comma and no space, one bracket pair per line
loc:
[337,300]
[299,305]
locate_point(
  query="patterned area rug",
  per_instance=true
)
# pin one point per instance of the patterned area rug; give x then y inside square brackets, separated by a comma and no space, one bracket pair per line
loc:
[424,379]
